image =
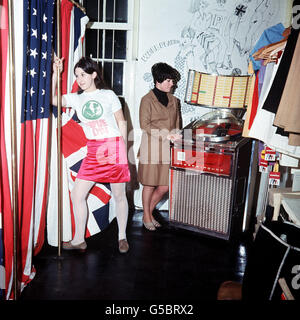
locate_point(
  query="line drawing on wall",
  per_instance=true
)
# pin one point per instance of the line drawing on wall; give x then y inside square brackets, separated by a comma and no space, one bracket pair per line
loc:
[217,39]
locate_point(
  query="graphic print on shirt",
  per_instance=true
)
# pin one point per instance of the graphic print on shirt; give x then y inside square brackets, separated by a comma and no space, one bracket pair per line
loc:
[92,111]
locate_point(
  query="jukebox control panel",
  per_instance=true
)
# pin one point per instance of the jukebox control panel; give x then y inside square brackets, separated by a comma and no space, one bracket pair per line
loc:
[211,158]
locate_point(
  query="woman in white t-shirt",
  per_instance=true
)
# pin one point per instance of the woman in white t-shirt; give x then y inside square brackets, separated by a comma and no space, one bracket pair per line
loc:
[101,117]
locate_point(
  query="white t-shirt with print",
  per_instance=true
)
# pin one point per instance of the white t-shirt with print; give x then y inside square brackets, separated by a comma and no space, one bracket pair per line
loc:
[96,111]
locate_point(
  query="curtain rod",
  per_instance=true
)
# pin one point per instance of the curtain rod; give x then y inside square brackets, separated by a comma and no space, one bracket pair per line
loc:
[59,156]
[14,177]
[78,6]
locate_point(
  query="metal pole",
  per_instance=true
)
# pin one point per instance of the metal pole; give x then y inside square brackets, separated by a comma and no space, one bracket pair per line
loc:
[13,147]
[59,180]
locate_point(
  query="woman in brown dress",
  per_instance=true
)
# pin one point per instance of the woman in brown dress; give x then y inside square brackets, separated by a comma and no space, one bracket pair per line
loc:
[159,121]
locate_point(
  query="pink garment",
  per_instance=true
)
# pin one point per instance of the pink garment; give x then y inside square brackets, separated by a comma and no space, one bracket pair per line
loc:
[106,161]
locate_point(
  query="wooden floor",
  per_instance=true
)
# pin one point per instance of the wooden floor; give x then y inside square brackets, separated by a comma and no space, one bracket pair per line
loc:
[169,264]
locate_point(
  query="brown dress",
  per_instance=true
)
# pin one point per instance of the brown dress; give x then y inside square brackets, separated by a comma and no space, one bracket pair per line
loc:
[156,122]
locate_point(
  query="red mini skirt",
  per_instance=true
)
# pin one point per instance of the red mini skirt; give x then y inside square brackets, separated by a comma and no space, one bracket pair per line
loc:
[105,162]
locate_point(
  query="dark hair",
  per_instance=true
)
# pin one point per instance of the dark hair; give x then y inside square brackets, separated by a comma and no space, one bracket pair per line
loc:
[89,66]
[162,71]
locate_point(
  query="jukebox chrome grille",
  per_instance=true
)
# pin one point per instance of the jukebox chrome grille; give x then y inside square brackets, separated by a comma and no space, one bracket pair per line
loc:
[200,200]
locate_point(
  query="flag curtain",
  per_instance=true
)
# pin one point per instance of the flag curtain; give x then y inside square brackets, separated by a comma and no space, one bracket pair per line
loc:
[5,198]
[100,204]
[34,39]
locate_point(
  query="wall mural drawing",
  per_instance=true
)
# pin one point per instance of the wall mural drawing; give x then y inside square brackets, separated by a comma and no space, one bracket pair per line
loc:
[214,36]
[217,38]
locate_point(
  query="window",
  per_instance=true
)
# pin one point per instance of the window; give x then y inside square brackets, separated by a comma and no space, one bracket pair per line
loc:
[107,38]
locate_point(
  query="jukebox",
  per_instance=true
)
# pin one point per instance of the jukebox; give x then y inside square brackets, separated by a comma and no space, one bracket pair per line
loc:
[208,178]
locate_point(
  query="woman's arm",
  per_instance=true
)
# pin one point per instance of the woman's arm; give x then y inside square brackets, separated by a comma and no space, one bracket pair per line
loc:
[145,118]
[122,124]
[176,135]
[57,67]
[146,123]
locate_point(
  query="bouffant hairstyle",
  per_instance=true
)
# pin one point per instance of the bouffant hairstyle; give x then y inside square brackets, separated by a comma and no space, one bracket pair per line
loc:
[162,71]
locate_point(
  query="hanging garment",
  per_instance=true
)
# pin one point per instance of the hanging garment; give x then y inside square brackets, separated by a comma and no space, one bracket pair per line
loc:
[252,102]
[261,84]
[273,99]
[262,127]
[270,35]
[288,114]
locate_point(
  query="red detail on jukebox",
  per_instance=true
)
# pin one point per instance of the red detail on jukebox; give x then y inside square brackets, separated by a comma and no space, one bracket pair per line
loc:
[216,163]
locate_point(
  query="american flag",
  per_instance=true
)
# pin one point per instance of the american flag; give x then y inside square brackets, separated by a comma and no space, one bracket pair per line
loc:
[5,200]
[100,204]
[35,110]
[2,270]
[32,36]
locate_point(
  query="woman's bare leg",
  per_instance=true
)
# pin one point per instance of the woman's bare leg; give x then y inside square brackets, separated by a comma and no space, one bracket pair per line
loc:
[157,195]
[119,193]
[150,197]
[79,196]
[146,199]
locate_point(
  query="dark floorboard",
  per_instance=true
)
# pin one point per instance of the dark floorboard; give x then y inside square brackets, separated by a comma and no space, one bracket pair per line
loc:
[169,264]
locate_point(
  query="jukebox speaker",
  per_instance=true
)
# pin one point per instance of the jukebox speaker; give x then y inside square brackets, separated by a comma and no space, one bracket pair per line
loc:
[209,176]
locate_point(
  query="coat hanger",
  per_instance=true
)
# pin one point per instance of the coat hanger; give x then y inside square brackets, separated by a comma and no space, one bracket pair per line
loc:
[259,54]
[274,55]
[272,50]
[278,48]
[271,53]
[287,32]
[264,51]
[78,6]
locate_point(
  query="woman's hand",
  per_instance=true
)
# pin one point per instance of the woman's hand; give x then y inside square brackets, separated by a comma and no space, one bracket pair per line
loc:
[57,65]
[174,136]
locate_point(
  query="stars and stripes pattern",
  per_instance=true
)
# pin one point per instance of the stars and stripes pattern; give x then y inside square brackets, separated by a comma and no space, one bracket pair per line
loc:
[38,26]
[37,68]
[32,41]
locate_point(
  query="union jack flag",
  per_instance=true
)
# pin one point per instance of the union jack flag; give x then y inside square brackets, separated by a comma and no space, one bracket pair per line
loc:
[100,204]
